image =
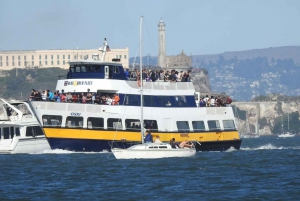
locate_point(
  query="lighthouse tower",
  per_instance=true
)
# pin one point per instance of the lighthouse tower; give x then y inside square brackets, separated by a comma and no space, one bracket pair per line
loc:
[162,44]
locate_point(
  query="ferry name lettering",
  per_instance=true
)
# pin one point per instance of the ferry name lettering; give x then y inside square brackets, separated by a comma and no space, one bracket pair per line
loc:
[76,83]
[75,114]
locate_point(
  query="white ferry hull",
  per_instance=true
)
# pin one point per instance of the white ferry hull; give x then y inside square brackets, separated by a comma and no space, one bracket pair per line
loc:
[25,145]
[152,154]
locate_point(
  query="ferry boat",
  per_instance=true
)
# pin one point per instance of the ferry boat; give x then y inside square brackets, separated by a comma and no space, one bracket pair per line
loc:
[20,131]
[169,111]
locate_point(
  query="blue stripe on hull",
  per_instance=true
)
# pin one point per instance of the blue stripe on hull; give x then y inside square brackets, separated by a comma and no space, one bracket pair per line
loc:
[103,145]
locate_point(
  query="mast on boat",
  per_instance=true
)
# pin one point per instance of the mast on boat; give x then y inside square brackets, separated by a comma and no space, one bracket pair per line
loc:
[141,82]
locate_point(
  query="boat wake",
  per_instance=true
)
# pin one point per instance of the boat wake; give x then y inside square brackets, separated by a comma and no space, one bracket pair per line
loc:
[267,147]
[61,151]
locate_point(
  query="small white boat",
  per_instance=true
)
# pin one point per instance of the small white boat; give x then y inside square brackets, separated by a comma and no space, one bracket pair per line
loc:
[284,135]
[20,131]
[152,151]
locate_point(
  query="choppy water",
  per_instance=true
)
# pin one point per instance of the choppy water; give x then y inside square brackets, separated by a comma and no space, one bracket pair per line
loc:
[265,168]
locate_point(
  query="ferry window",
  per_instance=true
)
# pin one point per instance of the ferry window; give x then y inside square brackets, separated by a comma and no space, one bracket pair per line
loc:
[77,69]
[83,69]
[34,131]
[198,125]
[132,100]
[228,124]
[150,124]
[149,101]
[132,124]
[95,123]
[74,122]
[113,123]
[92,69]
[17,131]
[180,101]
[12,133]
[183,126]
[52,120]
[164,101]
[6,133]
[99,69]
[72,69]
[213,125]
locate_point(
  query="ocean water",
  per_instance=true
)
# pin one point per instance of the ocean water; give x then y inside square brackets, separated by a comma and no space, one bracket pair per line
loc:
[266,168]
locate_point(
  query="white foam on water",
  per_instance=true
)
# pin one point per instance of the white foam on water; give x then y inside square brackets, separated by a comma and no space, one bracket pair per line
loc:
[267,147]
[231,149]
[61,151]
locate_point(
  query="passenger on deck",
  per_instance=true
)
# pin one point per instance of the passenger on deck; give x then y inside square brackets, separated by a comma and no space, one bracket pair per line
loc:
[173,143]
[185,143]
[157,140]
[169,103]
[108,100]
[228,101]
[115,100]
[74,98]
[31,97]
[83,98]
[89,98]
[44,95]
[68,98]
[97,100]
[148,138]
[63,97]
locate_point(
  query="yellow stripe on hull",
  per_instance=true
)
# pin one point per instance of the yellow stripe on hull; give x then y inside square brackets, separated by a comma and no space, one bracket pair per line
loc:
[136,136]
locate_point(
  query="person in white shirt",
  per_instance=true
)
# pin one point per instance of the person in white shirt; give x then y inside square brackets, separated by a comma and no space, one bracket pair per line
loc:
[157,140]
[212,102]
[44,95]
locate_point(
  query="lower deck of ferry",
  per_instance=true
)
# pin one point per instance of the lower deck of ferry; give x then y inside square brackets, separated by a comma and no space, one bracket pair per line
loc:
[84,140]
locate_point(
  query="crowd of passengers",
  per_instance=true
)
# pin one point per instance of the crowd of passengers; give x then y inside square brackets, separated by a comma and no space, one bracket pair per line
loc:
[159,75]
[215,101]
[89,98]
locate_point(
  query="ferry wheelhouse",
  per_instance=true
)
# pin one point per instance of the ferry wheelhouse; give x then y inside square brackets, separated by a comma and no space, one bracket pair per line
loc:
[169,111]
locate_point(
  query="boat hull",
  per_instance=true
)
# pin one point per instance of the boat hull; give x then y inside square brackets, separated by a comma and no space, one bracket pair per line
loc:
[152,154]
[286,135]
[89,145]
[26,145]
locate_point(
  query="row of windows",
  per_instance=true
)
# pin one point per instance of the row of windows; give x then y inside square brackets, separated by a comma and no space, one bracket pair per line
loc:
[120,56]
[10,132]
[132,124]
[27,63]
[93,68]
[32,57]
[51,56]
[158,101]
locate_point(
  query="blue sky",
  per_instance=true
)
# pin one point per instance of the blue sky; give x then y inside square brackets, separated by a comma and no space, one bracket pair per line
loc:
[196,26]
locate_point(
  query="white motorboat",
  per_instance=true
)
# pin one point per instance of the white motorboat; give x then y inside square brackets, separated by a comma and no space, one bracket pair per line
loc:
[20,131]
[284,135]
[152,151]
